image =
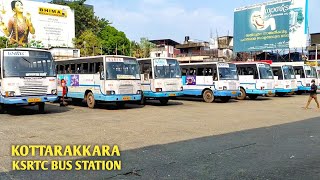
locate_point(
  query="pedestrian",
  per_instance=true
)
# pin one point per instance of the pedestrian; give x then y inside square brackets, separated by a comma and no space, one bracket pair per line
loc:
[313,94]
[64,92]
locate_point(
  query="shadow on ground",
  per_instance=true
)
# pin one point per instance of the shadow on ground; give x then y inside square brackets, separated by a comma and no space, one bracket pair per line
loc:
[33,110]
[289,151]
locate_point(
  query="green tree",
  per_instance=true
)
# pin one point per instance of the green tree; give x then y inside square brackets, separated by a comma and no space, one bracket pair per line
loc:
[88,43]
[146,46]
[114,41]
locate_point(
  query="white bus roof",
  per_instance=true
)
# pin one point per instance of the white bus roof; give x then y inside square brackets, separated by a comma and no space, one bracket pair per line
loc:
[95,57]
[141,59]
[24,49]
[253,62]
[289,63]
[204,63]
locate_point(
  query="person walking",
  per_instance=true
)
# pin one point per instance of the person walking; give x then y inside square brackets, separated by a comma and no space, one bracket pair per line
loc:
[64,92]
[313,94]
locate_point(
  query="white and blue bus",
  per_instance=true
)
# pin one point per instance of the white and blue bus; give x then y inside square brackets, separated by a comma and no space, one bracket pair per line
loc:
[256,79]
[211,80]
[304,74]
[285,79]
[27,77]
[101,78]
[160,79]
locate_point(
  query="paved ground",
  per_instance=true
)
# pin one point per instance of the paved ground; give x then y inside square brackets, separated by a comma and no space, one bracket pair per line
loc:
[268,138]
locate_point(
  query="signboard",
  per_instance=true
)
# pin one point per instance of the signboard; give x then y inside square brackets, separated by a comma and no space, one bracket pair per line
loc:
[111,59]
[278,24]
[42,24]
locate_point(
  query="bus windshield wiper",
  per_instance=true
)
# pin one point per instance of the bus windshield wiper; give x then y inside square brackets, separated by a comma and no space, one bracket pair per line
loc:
[26,60]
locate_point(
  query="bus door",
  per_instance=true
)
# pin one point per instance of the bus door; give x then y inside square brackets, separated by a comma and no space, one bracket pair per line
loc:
[146,75]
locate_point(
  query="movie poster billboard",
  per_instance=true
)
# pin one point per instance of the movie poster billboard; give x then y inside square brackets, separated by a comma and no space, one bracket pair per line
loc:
[278,24]
[24,22]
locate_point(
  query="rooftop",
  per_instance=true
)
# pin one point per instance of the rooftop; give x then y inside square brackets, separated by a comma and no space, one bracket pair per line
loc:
[164,42]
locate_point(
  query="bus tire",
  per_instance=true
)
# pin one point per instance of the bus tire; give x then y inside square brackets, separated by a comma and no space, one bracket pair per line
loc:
[208,96]
[41,107]
[164,101]
[91,102]
[281,94]
[225,99]
[1,108]
[253,96]
[243,94]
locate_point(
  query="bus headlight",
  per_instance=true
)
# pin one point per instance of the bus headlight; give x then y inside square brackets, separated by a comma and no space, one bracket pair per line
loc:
[158,89]
[9,93]
[110,92]
[225,88]
[54,91]
[139,92]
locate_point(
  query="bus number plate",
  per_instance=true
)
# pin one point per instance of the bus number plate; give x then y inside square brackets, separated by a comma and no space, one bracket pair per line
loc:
[233,92]
[172,94]
[33,100]
[126,98]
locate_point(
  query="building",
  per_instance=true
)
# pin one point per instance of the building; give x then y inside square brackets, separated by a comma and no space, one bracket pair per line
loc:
[195,51]
[64,53]
[312,50]
[164,48]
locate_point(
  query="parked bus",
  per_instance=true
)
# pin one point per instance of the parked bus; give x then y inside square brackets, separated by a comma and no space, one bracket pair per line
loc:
[304,74]
[160,79]
[211,80]
[256,79]
[100,78]
[27,77]
[285,79]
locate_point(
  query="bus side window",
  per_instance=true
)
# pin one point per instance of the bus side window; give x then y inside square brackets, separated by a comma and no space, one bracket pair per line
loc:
[255,75]
[0,72]
[184,71]
[91,68]
[215,73]
[147,70]
[73,69]
[200,71]
[67,69]
[85,68]
[192,72]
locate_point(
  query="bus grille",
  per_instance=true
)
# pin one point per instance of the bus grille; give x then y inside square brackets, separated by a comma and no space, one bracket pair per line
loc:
[232,86]
[33,90]
[126,89]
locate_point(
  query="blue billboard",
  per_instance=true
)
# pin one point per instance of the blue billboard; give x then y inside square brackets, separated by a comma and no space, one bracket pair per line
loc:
[278,24]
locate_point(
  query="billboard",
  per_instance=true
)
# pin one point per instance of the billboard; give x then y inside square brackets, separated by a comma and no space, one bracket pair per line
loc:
[278,24]
[24,22]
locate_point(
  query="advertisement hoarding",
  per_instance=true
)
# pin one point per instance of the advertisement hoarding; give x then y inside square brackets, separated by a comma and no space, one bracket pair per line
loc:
[278,24]
[24,22]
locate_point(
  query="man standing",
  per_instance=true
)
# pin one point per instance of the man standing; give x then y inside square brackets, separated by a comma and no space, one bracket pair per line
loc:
[313,94]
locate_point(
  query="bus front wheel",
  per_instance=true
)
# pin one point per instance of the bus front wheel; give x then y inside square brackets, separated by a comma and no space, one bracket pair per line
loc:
[242,95]
[1,108]
[164,101]
[90,100]
[41,107]
[208,96]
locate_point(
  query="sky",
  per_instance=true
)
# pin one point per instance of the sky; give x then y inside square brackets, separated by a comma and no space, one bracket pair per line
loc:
[175,19]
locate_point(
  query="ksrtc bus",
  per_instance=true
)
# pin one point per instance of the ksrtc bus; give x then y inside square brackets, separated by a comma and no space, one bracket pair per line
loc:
[160,79]
[256,79]
[285,79]
[304,74]
[27,77]
[211,80]
[101,78]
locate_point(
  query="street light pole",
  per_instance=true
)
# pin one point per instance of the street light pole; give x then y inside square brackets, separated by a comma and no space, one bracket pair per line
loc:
[317,55]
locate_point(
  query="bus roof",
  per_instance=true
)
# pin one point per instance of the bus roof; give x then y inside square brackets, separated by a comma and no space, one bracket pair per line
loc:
[203,63]
[23,49]
[249,62]
[95,57]
[141,59]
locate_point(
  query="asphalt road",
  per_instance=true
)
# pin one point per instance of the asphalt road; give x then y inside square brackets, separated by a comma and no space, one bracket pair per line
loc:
[269,138]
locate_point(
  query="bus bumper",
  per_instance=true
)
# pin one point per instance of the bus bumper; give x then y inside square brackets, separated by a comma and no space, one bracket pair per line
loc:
[260,92]
[150,94]
[225,93]
[118,98]
[28,99]
[282,90]
[304,88]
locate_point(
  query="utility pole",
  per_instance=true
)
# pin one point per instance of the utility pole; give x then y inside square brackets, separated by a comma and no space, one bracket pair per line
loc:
[317,55]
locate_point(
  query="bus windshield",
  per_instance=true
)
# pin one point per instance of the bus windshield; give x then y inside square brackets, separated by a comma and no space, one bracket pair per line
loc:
[288,72]
[28,63]
[126,69]
[310,72]
[227,71]
[166,68]
[265,71]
